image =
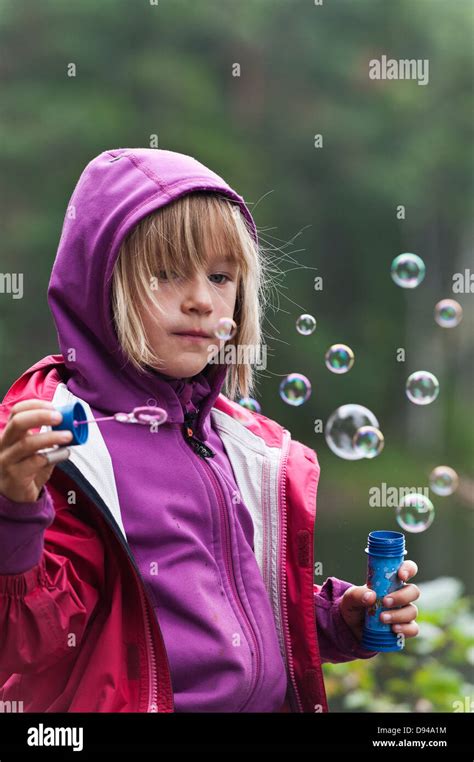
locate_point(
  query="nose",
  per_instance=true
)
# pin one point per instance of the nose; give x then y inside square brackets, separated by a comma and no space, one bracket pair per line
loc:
[197,296]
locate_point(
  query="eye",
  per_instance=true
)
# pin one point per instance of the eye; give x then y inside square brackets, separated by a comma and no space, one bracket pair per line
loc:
[220,275]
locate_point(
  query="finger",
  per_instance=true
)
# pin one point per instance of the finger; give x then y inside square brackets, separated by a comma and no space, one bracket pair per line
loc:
[21,422]
[405,614]
[401,597]
[410,630]
[32,404]
[29,445]
[407,570]
[40,462]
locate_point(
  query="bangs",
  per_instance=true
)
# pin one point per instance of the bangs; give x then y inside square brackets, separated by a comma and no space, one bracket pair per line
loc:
[191,234]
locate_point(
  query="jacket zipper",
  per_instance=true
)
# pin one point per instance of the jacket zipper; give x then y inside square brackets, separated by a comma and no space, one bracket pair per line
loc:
[152,683]
[205,452]
[282,564]
[70,469]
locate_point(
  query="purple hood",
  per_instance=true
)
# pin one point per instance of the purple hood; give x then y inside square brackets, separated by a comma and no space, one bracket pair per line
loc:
[114,192]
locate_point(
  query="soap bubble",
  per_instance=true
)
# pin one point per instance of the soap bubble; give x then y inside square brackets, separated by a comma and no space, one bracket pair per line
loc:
[422,387]
[339,358]
[368,441]
[225,328]
[306,324]
[295,389]
[415,512]
[408,270]
[448,313]
[342,426]
[250,404]
[444,480]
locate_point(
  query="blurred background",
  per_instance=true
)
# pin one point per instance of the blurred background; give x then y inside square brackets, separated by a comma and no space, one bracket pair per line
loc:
[164,71]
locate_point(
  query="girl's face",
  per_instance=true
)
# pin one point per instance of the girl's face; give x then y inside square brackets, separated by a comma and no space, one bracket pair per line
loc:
[194,304]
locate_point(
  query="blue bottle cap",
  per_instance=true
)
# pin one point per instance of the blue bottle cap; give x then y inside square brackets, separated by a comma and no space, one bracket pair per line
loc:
[71,413]
[385,543]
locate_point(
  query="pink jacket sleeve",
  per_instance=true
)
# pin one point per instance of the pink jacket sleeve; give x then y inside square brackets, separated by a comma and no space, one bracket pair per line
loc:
[337,642]
[48,591]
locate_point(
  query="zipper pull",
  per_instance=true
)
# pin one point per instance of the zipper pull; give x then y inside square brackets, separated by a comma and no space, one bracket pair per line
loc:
[199,447]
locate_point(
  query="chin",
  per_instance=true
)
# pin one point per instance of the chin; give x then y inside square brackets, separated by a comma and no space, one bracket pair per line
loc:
[188,371]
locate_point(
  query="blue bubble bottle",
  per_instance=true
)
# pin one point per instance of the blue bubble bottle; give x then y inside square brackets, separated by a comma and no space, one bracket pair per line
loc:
[385,552]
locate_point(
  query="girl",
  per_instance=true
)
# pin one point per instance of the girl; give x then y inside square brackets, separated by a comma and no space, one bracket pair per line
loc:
[171,568]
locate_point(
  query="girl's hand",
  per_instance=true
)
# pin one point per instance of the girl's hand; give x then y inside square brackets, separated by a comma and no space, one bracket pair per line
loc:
[23,471]
[356,599]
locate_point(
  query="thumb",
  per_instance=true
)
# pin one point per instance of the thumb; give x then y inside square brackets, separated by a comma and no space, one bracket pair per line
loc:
[354,601]
[361,596]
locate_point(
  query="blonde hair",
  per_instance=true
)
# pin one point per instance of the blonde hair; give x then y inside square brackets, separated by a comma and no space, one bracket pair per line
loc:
[178,239]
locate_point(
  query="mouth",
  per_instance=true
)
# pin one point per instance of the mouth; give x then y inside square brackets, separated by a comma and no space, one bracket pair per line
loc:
[193,332]
[193,336]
